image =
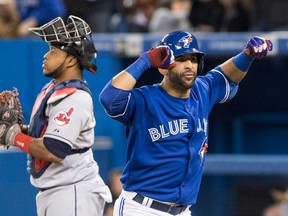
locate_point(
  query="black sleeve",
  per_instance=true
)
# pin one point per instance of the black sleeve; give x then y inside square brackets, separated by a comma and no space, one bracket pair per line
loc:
[56,147]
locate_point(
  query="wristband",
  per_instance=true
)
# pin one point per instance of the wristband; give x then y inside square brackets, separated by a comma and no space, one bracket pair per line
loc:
[243,61]
[138,68]
[23,141]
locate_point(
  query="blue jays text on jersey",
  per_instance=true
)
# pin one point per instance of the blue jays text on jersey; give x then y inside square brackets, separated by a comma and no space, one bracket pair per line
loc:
[174,127]
[167,137]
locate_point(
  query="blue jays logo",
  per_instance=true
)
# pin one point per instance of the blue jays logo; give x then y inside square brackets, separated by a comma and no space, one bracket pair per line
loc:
[186,41]
[202,151]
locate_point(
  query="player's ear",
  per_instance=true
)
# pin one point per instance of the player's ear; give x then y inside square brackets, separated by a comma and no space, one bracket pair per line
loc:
[72,60]
[163,71]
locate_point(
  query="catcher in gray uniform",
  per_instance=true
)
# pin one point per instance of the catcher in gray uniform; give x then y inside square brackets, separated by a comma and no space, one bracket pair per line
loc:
[61,130]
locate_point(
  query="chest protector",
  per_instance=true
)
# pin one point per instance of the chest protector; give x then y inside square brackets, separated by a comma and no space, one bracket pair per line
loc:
[39,121]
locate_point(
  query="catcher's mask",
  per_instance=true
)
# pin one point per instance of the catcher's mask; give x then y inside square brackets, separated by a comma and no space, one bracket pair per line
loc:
[72,38]
[181,43]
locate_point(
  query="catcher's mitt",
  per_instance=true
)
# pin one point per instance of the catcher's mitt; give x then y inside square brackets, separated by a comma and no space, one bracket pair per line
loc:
[10,113]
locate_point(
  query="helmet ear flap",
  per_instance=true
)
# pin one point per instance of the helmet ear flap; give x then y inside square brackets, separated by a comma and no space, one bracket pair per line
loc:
[85,52]
[200,58]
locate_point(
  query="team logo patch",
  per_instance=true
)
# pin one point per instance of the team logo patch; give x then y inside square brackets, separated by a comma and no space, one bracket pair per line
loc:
[203,151]
[63,117]
[186,41]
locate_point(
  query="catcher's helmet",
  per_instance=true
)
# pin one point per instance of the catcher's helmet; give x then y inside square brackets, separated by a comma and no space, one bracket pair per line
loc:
[72,38]
[181,43]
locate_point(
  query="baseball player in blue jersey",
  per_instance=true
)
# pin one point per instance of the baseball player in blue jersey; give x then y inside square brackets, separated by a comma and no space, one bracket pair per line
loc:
[167,123]
[61,130]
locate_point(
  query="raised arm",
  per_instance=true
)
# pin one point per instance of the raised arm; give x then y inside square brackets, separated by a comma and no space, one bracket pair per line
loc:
[115,95]
[237,67]
[159,57]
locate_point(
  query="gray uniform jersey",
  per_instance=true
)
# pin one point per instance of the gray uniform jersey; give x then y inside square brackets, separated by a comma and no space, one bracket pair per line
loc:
[72,121]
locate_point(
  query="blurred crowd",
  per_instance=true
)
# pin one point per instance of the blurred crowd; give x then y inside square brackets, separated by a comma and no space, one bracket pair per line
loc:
[144,16]
[280,205]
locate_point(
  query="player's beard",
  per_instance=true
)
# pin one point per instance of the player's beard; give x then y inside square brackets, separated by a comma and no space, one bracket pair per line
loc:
[180,82]
[57,72]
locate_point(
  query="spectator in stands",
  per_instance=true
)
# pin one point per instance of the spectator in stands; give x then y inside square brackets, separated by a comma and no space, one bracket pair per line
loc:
[235,17]
[8,18]
[144,11]
[171,15]
[181,9]
[219,15]
[270,15]
[122,16]
[280,207]
[133,15]
[35,13]
[151,16]
[162,20]
[115,186]
[206,15]
[95,12]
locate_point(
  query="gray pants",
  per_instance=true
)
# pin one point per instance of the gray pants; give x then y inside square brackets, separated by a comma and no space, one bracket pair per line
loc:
[71,200]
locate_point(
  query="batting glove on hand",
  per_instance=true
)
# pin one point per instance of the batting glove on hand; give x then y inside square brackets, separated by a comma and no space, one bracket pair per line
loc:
[258,47]
[159,57]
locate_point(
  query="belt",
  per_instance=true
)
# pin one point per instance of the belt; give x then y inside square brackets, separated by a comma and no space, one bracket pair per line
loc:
[42,189]
[171,209]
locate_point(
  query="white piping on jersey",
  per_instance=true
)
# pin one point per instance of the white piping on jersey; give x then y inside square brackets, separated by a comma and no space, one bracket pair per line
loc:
[227,93]
[121,114]
[56,98]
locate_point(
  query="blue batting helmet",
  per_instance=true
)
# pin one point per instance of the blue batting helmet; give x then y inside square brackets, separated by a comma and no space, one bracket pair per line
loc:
[181,43]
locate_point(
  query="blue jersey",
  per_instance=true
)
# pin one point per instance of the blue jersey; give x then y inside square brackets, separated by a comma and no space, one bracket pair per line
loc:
[168,137]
